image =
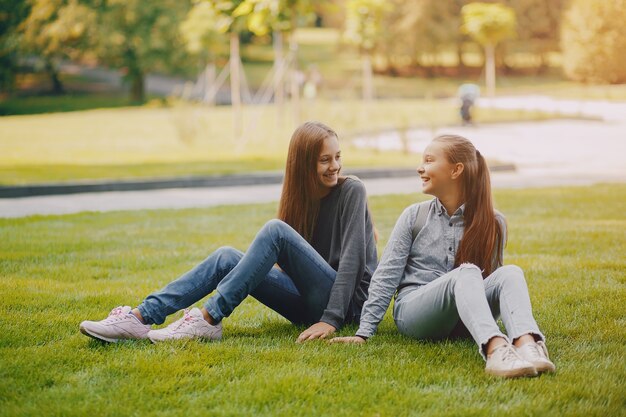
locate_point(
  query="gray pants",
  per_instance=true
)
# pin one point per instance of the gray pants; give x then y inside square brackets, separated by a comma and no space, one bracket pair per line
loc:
[432,311]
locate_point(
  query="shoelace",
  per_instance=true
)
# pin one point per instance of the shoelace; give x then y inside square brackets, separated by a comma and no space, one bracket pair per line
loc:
[115,315]
[186,320]
[534,350]
[509,354]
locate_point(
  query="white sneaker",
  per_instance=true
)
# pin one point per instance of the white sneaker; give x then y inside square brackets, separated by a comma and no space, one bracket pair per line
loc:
[191,326]
[537,354]
[505,361]
[121,324]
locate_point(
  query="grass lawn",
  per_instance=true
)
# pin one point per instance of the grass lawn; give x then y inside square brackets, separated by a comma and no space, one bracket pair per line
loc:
[59,270]
[194,140]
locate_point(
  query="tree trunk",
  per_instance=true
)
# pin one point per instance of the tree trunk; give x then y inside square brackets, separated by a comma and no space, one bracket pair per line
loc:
[490,70]
[279,84]
[459,54]
[235,85]
[295,78]
[137,86]
[209,80]
[368,83]
[53,73]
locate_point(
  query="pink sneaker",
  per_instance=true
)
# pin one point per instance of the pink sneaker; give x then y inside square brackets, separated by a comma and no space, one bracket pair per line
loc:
[191,326]
[120,325]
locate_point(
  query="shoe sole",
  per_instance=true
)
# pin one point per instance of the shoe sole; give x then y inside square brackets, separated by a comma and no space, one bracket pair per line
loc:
[515,373]
[97,337]
[545,369]
[204,339]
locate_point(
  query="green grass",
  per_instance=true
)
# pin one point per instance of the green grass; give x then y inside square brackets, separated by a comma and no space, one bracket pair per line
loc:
[59,270]
[195,140]
[65,103]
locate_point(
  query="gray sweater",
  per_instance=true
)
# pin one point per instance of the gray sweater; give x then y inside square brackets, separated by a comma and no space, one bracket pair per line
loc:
[408,264]
[344,237]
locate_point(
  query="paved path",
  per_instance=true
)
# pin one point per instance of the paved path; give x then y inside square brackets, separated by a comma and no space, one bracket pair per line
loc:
[206,197]
[551,153]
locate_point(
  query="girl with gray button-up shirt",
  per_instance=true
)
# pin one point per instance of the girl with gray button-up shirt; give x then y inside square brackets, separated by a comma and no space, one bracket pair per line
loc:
[443,262]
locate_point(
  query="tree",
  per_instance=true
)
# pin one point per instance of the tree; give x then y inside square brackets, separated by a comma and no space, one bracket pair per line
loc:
[594,41]
[281,17]
[201,39]
[417,31]
[539,26]
[141,36]
[364,26]
[53,30]
[488,24]
[12,13]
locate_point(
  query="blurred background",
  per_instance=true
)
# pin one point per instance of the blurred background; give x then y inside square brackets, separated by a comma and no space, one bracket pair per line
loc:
[118,89]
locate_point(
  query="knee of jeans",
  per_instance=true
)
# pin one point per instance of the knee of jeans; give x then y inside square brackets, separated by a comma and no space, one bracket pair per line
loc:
[466,274]
[512,273]
[227,256]
[470,270]
[273,226]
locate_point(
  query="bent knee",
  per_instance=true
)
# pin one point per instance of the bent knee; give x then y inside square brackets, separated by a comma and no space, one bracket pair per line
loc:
[469,271]
[227,255]
[464,275]
[469,267]
[274,225]
[512,270]
[511,275]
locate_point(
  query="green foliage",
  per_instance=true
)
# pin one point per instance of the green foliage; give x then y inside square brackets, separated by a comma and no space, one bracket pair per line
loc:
[57,29]
[594,41]
[257,16]
[364,22]
[141,36]
[59,270]
[488,24]
[198,31]
[12,13]
[54,30]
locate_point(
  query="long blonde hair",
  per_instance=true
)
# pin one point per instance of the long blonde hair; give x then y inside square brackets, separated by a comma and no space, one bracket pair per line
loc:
[299,204]
[483,235]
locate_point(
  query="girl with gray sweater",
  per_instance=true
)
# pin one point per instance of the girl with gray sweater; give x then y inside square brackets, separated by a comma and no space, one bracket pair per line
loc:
[312,265]
[444,264]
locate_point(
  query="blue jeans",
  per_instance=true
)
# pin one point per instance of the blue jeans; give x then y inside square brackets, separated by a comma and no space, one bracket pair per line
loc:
[299,290]
[433,311]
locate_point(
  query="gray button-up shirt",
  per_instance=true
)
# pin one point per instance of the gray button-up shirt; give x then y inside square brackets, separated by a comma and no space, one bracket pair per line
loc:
[407,264]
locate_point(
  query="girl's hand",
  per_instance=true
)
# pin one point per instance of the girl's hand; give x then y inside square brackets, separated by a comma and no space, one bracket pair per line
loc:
[348,339]
[319,330]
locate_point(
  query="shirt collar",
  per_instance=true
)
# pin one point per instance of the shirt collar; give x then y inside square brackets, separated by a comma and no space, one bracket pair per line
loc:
[440,209]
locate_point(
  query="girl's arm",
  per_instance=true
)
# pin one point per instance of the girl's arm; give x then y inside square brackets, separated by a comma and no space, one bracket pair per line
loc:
[353,257]
[388,274]
[498,253]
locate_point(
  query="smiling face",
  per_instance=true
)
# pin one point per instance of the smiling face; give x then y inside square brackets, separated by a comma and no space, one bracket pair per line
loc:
[328,165]
[438,174]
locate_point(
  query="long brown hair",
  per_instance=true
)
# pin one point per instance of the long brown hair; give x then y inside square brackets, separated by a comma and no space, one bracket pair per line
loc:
[483,235]
[299,204]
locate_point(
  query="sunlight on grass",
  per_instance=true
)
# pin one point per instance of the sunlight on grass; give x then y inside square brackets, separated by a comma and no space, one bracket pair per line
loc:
[59,270]
[194,140]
